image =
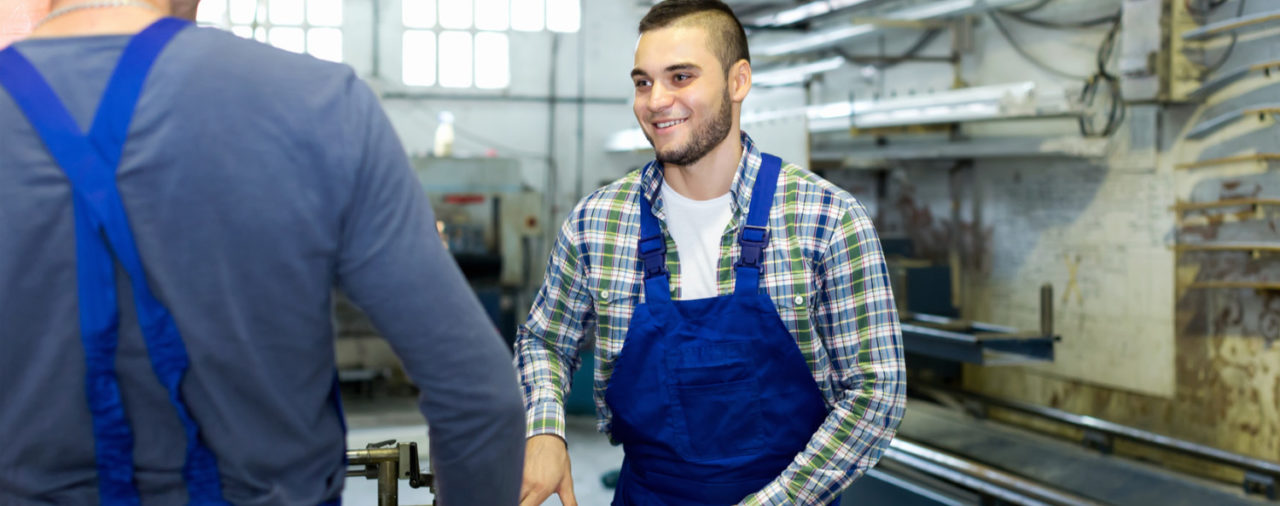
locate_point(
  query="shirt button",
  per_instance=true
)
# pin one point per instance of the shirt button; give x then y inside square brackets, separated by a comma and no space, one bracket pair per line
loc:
[799,300]
[604,294]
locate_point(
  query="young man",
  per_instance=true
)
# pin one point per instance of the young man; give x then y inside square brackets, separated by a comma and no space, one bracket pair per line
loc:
[167,264]
[748,350]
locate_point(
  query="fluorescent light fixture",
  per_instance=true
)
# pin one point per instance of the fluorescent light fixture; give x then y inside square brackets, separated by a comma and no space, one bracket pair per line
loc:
[797,74]
[980,103]
[932,10]
[807,11]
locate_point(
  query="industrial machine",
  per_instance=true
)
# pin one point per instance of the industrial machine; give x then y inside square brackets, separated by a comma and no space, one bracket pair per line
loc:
[492,224]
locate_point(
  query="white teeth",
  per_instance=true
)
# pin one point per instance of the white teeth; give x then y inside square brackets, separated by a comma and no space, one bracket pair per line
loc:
[670,123]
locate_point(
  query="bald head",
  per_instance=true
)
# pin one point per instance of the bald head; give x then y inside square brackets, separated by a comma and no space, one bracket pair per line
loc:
[724,32]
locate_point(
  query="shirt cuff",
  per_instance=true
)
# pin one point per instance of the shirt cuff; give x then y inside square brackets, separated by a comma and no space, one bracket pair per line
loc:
[773,494]
[545,418]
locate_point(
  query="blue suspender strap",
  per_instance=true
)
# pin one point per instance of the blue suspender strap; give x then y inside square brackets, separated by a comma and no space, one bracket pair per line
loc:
[754,236]
[113,440]
[652,248]
[90,164]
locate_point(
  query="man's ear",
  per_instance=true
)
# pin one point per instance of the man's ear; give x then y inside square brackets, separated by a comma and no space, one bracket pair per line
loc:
[739,81]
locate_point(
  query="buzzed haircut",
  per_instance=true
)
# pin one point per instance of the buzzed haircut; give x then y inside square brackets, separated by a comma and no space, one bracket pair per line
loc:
[728,39]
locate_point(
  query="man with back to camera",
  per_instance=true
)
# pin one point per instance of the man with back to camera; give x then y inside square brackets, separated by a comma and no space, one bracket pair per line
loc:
[167,275]
[773,374]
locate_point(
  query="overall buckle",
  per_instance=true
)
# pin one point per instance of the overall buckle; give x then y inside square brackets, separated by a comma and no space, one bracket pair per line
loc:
[753,240]
[653,252]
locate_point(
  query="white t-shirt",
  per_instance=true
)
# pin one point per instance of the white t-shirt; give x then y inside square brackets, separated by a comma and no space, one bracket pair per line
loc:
[696,226]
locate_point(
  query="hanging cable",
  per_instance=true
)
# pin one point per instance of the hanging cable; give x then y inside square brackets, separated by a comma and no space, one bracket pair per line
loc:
[1231,46]
[1116,110]
[1004,32]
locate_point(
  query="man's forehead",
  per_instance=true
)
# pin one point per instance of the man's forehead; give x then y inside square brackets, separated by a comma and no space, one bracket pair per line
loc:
[670,45]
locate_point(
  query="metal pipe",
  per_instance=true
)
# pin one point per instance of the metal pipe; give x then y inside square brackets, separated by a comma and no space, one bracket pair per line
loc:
[388,488]
[1114,429]
[987,480]
[372,456]
[1046,309]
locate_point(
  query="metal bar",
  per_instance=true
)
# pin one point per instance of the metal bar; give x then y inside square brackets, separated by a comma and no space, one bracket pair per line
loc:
[1217,285]
[372,456]
[1230,25]
[1211,125]
[933,10]
[1115,429]
[806,12]
[1194,206]
[1257,157]
[1229,246]
[388,487]
[1222,79]
[986,480]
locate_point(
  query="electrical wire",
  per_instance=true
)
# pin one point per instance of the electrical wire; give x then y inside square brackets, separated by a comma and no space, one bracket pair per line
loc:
[1029,9]
[1116,110]
[1231,46]
[1004,32]
[1095,82]
[1061,25]
[889,61]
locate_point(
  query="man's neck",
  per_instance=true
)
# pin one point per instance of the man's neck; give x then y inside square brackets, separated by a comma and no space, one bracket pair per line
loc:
[711,176]
[120,20]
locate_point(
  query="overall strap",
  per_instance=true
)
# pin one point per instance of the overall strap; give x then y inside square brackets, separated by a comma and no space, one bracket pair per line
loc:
[754,236]
[90,164]
[652,249]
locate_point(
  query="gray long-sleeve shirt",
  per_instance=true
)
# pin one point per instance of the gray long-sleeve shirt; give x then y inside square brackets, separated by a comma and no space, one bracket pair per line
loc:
[254,180]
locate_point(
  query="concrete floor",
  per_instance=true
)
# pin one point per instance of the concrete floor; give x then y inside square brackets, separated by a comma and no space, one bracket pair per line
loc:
[383,418]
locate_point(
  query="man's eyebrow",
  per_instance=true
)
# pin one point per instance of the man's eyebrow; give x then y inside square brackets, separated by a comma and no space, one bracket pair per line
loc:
[683,66]
[638,72]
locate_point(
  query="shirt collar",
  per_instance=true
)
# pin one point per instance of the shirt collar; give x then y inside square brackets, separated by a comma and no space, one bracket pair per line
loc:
[743,179]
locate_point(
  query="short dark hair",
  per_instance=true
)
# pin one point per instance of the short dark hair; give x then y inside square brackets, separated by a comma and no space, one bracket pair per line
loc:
[728,39]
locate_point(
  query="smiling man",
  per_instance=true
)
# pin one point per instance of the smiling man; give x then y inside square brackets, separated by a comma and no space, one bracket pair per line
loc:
[747,346]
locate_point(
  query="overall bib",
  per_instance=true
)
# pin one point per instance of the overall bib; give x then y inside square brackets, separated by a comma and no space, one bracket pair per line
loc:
[711,398]
[103,237]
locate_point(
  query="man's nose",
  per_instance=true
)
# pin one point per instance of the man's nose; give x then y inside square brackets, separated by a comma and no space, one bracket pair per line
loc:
[660,97]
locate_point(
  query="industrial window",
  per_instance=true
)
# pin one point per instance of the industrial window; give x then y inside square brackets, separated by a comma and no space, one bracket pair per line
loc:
[303,26]
[464,43]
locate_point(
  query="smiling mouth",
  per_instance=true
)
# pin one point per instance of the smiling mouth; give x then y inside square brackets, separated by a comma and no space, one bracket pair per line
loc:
[669,124]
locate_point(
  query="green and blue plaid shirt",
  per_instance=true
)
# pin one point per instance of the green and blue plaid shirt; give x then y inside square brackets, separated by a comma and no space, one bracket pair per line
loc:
[824,270]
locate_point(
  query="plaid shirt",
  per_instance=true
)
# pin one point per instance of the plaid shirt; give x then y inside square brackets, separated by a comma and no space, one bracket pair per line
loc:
[823,269]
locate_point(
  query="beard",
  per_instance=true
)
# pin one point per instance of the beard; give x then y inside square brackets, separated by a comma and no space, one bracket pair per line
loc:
[704,140]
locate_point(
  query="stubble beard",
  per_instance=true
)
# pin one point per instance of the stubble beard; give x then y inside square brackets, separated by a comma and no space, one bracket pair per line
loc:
[703,140]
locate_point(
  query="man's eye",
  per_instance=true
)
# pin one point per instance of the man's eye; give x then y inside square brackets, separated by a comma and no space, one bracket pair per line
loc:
[683,77]
[642,83]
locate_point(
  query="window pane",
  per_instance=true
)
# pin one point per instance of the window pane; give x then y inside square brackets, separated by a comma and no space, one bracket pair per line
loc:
[325,43]
[286,12]
[243,31]
[324,12]
[563,15]
[492,14]
[455,14]
[288,39]
[260,34]
[242,11]
[418,60]
[527,15]
[455,59]
[211,12]
[418,13]
[493,62]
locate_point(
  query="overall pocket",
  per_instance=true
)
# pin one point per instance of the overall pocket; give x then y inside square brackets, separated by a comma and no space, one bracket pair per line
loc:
[723,420]
[719,396]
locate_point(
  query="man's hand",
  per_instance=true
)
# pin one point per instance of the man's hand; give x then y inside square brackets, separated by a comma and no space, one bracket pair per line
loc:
[546,471]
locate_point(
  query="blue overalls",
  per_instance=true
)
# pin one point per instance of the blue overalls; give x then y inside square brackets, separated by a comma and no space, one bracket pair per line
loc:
[103,236]
[711,398]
